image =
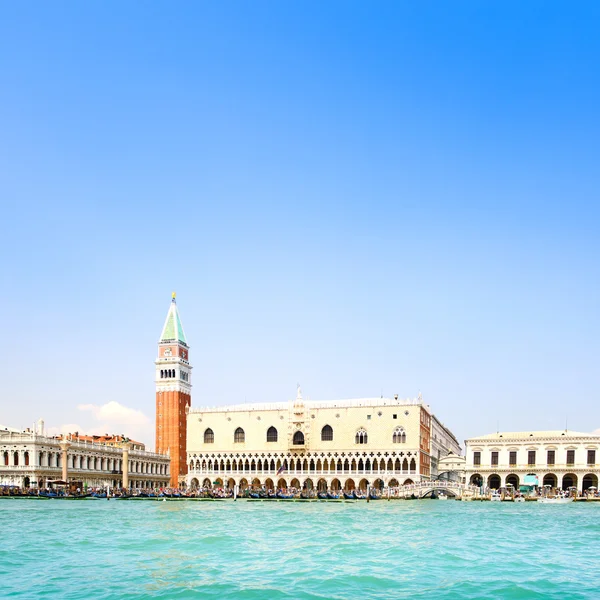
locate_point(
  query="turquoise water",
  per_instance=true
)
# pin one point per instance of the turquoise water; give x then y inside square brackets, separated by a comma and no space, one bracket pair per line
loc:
[419,549]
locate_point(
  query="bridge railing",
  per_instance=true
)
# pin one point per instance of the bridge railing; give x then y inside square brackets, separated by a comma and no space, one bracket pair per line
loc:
[420,486]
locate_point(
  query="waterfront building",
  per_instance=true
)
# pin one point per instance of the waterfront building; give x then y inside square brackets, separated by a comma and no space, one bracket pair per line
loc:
[326,445]
[560,459]
[29,458]
[173,376]
[444,444]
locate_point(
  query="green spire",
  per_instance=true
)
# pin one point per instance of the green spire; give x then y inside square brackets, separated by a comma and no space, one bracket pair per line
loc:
[173,329]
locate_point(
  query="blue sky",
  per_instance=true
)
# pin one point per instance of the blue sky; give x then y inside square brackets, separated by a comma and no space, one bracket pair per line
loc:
[364,198]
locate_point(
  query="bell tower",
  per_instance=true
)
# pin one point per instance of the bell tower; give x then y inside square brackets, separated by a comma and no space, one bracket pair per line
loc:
[173,392]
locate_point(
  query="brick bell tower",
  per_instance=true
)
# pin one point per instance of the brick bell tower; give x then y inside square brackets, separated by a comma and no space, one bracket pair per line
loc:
[173,392]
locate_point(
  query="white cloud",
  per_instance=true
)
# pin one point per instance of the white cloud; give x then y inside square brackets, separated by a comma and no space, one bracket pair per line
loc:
[65,428]
[113,417]
[113,412]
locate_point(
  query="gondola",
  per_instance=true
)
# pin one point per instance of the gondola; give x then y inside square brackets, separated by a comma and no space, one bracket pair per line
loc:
[331,496]
[322,495]
[283,496]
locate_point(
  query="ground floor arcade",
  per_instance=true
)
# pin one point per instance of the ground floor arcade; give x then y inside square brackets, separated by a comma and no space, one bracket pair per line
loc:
[321,484]
[42,478]
[582,480]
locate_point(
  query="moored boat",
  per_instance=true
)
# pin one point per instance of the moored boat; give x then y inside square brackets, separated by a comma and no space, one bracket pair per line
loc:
[555,500]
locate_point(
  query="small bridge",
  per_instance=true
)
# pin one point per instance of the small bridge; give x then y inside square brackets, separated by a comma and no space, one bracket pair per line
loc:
[424,489]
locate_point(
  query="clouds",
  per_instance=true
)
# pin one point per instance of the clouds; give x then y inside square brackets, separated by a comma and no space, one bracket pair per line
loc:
[114,417]
[65,428]
[111,418]
[116,414]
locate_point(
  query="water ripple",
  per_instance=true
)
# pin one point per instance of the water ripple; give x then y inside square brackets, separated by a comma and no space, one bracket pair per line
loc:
[447,550]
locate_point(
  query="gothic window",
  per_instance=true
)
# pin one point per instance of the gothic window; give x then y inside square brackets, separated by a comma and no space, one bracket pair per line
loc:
[239,437]
[399,436]
[327,434]
[271,434]
[298,438]
[361,436]
[209,436]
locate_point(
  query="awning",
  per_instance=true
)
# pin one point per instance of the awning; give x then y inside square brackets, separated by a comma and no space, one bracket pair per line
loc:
[531,480]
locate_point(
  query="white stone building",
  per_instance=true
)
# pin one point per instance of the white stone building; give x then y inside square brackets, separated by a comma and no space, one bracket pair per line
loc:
[560,459]
[304,444]
[30,459]
[443,444]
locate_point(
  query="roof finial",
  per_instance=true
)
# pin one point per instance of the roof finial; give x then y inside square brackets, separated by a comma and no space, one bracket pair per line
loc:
[173,296]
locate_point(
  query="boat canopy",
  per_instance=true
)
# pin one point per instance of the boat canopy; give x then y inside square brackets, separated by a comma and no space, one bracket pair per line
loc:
[531,480]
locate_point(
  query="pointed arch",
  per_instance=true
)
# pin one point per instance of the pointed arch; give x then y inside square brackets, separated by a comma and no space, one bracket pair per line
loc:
[209,436]
[272,434]
[399,436]
[361,436]
[239,436]
[327,434]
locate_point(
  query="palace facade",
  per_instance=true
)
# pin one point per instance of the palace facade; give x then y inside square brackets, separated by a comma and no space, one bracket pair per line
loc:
[328,445]
[560,459]
[31,459]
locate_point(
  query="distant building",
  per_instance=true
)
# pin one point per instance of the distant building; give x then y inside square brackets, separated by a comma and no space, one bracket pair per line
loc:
[31,459]
[106,440]
[173,377]
[317,445]
[443,444]
[560,459]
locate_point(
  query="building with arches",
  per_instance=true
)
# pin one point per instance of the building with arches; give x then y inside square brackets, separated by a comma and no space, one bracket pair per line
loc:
[560,459]
[30,459]
[329,445]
